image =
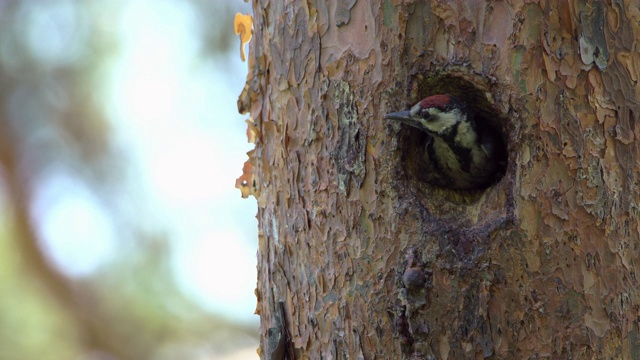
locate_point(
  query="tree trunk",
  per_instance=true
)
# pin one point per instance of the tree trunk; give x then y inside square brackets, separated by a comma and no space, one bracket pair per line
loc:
[359,258]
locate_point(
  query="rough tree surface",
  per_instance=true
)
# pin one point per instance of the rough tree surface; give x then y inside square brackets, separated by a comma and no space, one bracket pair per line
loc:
[360,259]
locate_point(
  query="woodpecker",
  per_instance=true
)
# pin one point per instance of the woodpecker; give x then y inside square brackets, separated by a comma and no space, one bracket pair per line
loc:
[459,153]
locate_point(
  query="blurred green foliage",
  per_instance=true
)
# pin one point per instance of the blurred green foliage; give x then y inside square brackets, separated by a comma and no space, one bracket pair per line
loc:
[52,59]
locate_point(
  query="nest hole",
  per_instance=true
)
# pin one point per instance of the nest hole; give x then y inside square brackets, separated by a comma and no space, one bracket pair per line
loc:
[487,117]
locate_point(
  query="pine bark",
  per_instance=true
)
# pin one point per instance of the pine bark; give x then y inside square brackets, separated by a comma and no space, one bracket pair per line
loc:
[358,258]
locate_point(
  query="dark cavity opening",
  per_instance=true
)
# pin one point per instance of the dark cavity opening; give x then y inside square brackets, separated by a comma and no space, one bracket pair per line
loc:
[487,118]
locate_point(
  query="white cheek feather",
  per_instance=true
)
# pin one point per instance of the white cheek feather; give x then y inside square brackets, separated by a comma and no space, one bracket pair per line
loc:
[441,121]
[466,135]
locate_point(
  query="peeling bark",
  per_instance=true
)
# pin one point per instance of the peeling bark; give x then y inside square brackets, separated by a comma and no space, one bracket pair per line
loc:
[366,260]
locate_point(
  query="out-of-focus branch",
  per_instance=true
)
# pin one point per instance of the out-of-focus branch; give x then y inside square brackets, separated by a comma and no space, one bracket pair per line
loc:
[76,307]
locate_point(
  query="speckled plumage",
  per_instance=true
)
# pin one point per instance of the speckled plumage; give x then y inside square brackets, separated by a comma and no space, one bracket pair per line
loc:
[458,154]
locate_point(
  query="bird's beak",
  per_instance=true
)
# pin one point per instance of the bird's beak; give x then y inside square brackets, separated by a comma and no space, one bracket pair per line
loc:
[403,117]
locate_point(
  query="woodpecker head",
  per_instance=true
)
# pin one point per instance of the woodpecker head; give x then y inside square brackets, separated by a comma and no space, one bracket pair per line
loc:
[436,114]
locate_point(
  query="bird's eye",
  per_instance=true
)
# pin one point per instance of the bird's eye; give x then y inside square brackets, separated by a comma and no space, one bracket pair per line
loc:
[425,114]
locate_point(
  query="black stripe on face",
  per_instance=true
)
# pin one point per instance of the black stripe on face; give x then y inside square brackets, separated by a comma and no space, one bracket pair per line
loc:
[464,156]
[462,153]
[432,156]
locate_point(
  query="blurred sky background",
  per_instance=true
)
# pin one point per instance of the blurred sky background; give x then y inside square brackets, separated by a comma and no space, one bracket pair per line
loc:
[121,233]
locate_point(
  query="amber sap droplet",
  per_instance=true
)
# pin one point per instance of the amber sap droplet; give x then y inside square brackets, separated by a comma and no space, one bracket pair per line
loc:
[242,25]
